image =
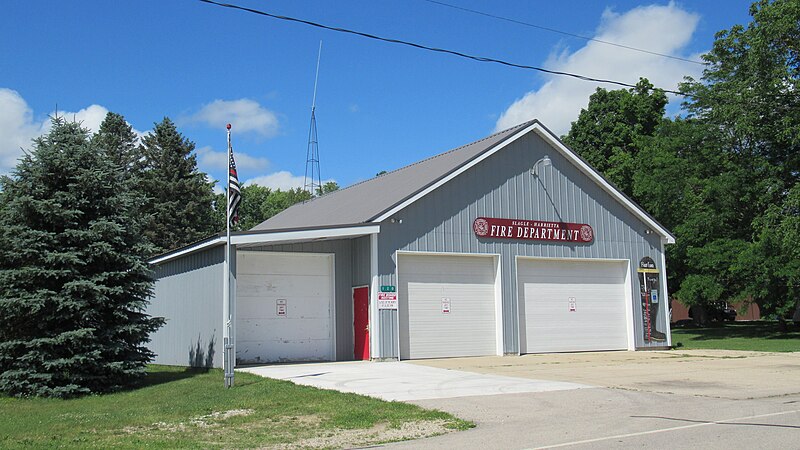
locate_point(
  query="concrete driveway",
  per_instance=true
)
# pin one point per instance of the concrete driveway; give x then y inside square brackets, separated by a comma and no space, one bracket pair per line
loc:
[404,381]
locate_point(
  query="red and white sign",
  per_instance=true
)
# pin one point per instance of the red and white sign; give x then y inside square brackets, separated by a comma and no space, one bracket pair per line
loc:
[532,230]
[387,300]
[572,305]
[445,305]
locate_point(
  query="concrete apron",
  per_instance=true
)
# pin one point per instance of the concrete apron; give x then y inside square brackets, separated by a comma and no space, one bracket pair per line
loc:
[402,381]
[727,374]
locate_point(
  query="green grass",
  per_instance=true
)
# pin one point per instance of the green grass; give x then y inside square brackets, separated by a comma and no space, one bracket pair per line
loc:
[178,407]
[762,336]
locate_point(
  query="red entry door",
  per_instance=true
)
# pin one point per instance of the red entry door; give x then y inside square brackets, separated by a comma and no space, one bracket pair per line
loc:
[361,322]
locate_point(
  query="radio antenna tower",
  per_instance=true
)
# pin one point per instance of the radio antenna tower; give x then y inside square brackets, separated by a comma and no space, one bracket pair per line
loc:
[312,182]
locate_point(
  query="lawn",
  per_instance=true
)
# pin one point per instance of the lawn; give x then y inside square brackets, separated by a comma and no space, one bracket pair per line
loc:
[178,407]
[762,336]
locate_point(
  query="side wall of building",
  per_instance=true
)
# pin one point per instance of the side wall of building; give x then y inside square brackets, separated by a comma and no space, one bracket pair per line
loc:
[502,186]
[188,294]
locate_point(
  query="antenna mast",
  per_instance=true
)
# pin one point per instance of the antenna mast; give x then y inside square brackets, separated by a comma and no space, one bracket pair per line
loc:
[312,181]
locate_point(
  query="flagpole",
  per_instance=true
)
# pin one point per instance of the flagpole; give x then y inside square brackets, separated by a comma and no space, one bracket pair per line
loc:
[228,359]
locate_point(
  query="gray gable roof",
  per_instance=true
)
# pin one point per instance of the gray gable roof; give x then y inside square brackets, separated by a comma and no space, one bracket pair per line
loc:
[368,200]
[375,199]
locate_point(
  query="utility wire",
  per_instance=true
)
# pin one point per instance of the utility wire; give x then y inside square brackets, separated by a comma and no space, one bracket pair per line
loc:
[432,49]
[553,30]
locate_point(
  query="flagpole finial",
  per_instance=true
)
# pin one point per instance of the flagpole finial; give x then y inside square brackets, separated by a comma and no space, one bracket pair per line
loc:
[228,127]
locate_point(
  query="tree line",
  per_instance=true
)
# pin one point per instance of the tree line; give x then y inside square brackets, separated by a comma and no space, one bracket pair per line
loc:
[723,176]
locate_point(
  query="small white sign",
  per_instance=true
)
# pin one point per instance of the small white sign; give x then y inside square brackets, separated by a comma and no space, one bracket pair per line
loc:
[280,307]
[573,307]
[387,300]
[445,305]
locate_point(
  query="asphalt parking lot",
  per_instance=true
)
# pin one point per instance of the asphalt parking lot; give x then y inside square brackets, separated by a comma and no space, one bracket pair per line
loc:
[669,399]
[656,399]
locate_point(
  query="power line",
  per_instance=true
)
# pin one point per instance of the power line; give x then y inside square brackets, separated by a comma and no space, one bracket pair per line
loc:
[553,30]
[432,49]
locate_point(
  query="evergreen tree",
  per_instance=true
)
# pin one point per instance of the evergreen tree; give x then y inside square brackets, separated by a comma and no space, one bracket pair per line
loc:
[179,198]
[119,143]
[73,279]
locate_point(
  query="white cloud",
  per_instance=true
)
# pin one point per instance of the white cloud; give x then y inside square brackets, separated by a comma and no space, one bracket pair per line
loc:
[17,128]
[282,180]
[210,160]
[90,117]
[662,29]
[244,115]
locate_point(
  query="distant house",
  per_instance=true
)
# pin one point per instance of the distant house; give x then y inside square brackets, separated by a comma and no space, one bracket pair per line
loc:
[511,244]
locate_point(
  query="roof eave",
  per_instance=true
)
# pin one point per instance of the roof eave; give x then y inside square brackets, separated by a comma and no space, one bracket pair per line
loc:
[273,237]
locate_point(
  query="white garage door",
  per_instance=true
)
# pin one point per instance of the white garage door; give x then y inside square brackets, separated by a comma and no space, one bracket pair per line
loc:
[447,306]
[284,307]
[572,305]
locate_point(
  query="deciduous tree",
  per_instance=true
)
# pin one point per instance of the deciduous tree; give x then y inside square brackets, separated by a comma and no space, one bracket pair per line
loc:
[608,132]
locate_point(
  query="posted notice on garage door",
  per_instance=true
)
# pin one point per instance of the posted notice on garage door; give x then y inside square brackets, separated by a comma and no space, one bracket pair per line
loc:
[387,300]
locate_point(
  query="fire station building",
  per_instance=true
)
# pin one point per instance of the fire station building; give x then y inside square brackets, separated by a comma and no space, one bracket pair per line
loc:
[511,244]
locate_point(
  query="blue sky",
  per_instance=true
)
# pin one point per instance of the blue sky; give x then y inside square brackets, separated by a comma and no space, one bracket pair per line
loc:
[379,106]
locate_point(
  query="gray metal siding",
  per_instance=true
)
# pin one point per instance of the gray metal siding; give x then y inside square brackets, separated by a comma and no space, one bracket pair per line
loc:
[188,294]
[361,252]
[343,251]
[502,186]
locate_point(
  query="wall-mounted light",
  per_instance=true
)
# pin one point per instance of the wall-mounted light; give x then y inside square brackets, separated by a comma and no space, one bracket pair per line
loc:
[396,220]
[544,161]
[648,231]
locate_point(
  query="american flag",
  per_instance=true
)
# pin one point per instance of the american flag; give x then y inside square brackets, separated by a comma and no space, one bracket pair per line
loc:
[235,193]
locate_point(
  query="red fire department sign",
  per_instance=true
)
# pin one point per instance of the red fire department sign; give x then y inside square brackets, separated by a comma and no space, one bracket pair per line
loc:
[533,230]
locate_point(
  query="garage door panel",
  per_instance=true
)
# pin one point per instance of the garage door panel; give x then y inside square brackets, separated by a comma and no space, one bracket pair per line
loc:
[469,328]
[268,329]
[550,269]
[275,285]
[289,264]
[299,349]
[598,289]
[304,282]
[296,308]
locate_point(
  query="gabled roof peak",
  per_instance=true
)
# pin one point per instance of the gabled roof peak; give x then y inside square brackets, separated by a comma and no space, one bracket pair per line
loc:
[364,201]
